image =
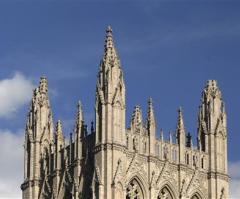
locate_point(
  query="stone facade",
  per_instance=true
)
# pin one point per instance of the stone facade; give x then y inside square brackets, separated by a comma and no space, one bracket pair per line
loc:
[110,161]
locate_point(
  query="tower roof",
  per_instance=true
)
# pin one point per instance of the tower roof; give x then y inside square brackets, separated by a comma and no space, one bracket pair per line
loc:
[110,54]
[211,91]
[43,86]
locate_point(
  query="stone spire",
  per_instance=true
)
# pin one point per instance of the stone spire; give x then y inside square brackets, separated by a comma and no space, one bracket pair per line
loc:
[79,119]
[110,74]
[151,126]
[180,127]
[110,54]
[212,106]
[110,95]
[212,122]
[110,106]
[59,132]
[39,129]
[136,120]
[150,114]
[212,113]
[43,85]
[180,123]
[181,136]
[79,132]
[39,122]
[59,147]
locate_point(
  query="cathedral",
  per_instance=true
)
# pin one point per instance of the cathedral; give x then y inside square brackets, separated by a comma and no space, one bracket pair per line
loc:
[111,161]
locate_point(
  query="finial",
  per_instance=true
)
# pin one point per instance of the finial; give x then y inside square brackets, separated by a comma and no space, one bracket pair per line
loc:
[59,126]
[43,88]
[180,109]
[211,91]
[59,132]
[137,115]
[180,123]
[109,31]
[150,101]
[150,108]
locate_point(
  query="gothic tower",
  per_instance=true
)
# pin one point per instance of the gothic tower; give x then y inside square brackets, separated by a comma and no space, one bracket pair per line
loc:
[212,136]
[115,162]
[110,115]
[38,140]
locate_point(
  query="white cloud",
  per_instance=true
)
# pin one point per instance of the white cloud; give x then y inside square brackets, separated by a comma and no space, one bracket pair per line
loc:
[234,169]
[11,167]
[234,172]
[234,188]
[14,93]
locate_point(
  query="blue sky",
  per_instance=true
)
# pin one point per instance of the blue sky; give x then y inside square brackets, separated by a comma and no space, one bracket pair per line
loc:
[168,50]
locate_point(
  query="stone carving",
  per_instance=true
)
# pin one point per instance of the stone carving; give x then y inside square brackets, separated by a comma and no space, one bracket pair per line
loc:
[100,163]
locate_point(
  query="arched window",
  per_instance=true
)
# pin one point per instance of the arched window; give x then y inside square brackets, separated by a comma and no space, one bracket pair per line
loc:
[134,190]
[165,193]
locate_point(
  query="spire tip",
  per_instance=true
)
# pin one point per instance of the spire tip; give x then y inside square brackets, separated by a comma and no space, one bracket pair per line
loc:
[109,30]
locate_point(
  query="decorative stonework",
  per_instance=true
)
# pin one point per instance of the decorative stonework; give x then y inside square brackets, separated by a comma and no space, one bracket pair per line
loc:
[110,161]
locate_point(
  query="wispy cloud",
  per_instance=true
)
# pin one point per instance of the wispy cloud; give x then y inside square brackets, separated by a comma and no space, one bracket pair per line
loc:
[182,33]
[14,93]
[11,167]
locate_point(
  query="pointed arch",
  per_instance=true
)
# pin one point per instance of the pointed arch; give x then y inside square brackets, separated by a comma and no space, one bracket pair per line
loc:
[136,185]
[167,191]
[197,194]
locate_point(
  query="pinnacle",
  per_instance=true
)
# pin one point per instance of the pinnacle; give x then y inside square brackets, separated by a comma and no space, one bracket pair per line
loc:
[212,83]
[137,115]
[59,132]
[43,85]
[150,101]
[180,125]
[110,54]
[109,31]
[150,113]
[211,90]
